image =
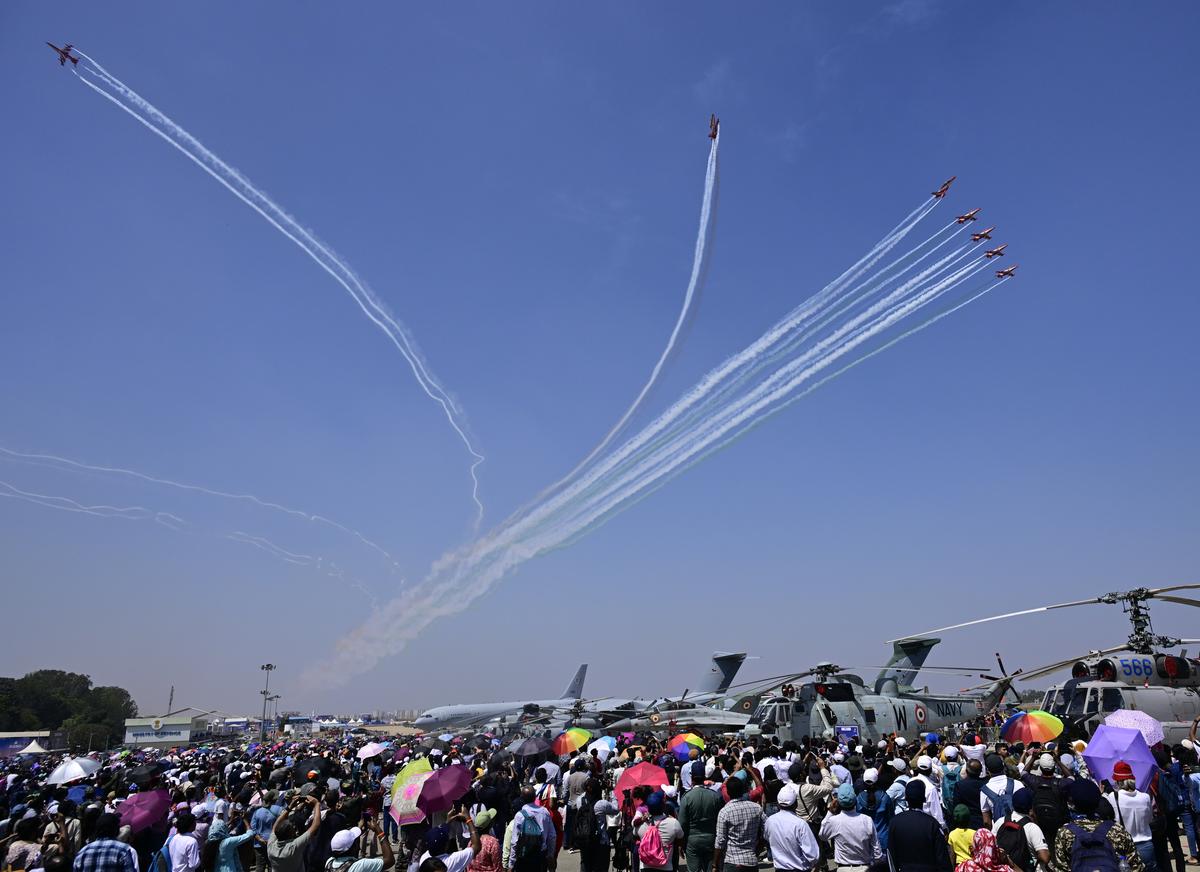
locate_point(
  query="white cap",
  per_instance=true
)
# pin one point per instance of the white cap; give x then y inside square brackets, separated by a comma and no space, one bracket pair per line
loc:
[839,757]
[1046,762]
[869,777]
[882,743]
[1068,761]
[343,840]
[924,762]
[951,753]
[788,795]
[899,765]
[901,741]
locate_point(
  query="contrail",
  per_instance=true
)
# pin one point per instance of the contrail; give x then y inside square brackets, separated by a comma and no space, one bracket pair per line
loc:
[698,263]
[335,266]
[463,576]
[53,459]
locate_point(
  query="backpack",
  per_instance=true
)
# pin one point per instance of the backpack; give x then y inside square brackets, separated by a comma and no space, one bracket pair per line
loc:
[1092,852]
[528,837]
[949,782]
[1170,793]
[650,847]
[1011,837]
[1001,802]
[160,860]
[1050,809]
[586,828]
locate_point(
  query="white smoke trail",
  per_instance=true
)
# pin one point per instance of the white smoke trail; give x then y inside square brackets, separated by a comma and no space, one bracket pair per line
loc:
[462,577]
[335,266]
[698,260]
[270,547]
[66,504]
[55,460]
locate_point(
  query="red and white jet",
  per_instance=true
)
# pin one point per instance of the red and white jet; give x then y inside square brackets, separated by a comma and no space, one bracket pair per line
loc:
[713,124]
[998,251]
[941,192]
[982,234]
[64,54]
[1006,273]
[970,216]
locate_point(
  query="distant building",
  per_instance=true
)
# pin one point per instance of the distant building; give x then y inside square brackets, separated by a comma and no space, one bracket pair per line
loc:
[12,743]
[167,731]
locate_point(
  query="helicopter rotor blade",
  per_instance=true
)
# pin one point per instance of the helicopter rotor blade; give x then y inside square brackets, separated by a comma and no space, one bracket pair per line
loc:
[1086,602]
[1054,667]
[1000,663]
[1156,591]
[1182,600]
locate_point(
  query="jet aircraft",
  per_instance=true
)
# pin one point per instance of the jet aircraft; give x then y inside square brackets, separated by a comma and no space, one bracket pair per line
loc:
[982,234]
[941,192]
[1007,272]
[470,714]
[998,251]
[969,216]
[713,124]
[64,54]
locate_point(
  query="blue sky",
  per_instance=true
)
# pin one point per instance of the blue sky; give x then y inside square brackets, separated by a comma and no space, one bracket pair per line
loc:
[521,183]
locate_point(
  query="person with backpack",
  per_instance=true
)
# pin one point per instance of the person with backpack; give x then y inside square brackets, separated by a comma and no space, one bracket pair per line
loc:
[1088,844]
[343,852]
[591,828]
[995,797]
[952,772]
[1021,837]
[533,842]
[875,803]
[1049,795]
[657,834]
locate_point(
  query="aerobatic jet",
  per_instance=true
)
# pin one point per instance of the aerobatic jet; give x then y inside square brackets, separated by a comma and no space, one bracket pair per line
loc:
[713,123]
[970,216]
[941,192]
[982,234]
[64,54]
[998,251]
[1006,273]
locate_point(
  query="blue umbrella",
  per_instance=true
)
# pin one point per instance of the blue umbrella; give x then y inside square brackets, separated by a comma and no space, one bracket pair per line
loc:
[1110,744]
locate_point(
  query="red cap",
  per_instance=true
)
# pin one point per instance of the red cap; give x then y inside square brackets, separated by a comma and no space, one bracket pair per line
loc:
[1122,771]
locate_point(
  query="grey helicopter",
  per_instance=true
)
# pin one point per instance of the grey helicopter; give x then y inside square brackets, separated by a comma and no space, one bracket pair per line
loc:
[1135,675]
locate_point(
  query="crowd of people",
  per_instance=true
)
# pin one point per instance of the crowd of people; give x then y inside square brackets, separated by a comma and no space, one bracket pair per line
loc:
[725,805]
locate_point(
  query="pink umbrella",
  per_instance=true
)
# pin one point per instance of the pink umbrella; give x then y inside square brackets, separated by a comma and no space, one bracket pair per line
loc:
[1132,719]
[443,787]
[143,810]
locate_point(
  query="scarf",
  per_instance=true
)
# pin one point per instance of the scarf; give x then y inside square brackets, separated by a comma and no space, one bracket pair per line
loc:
[983,855]
[488,858]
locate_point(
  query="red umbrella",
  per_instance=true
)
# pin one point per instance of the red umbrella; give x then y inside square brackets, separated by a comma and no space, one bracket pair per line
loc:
[143,810]
[443,787]
[646,774]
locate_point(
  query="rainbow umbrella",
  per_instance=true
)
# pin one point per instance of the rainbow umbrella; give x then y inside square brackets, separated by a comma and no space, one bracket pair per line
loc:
[1034,726]
[682,745]
[571,740]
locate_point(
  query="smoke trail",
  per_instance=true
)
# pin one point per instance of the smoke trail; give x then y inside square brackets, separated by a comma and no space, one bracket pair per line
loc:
[271,548]
[462,577]
[335,266]
[52,459]
[66,504]
[698,263]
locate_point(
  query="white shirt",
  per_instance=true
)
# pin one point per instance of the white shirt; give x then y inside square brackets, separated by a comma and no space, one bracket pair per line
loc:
[793,845]
[185,854]
[456,862]
[1133,812]
[855,842]
[997,784]
[933,800]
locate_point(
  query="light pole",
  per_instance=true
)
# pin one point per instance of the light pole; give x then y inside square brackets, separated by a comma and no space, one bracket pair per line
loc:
[266,691]
[274,698]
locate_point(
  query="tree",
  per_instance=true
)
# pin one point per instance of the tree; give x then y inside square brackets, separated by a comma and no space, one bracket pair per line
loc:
[51,699]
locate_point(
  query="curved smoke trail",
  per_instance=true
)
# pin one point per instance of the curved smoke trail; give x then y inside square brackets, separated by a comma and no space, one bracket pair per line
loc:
[241,187]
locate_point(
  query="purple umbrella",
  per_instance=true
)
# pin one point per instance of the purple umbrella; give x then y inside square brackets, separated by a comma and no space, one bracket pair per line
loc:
[443,787]
[1110,744]
[143,810]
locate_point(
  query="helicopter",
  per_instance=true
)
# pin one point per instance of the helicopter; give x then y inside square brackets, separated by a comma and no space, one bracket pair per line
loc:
[1135,675]
[839,703]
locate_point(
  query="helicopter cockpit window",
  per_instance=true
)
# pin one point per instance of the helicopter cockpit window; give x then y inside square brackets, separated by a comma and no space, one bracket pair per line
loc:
[1111,700]
[1078,704]
[837,692]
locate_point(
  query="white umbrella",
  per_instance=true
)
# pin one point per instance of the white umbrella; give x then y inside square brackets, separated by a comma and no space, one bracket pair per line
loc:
[371,749]
[604,746]
[1133,719]
[73,770]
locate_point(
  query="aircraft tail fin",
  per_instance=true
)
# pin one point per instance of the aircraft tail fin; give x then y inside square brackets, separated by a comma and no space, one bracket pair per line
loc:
[718,678]
[907,658]
[575,688]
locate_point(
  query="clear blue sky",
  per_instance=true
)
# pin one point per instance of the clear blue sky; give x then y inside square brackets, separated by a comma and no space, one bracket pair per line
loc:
[520,183]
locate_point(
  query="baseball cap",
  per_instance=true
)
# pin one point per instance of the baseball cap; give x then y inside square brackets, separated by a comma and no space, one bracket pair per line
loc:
[1046,762]
[924,762]
[845,795]
[951,753]
[788,796]
[870,776]
[343,840]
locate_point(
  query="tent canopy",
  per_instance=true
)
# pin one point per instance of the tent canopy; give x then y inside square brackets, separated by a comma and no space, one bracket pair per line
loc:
[33,748]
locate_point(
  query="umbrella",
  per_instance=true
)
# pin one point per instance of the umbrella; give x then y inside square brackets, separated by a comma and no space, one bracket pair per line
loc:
[312,769]
[499,759]
[1132,719]
[642,774]
[73,770]
[371,749]
[570,740]
[1034,726]
[145,774]
[1110,744]
[429,743]
[143,810]
[447,737]
[530,747]
[604,747]
[682,745]
[443,787]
